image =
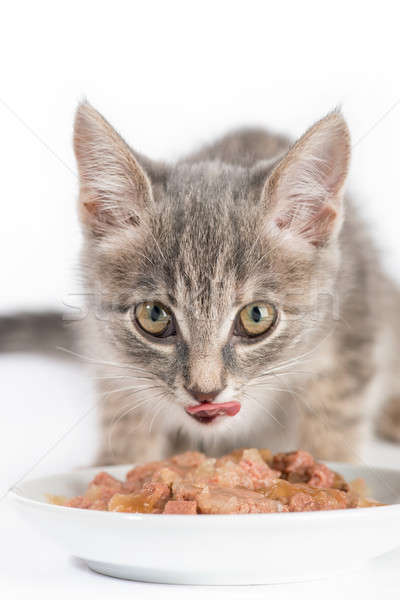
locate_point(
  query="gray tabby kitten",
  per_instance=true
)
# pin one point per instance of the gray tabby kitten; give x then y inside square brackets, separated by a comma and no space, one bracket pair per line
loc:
[234,297]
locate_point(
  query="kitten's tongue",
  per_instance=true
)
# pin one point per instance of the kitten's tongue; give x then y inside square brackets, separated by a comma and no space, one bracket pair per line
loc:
[213,409]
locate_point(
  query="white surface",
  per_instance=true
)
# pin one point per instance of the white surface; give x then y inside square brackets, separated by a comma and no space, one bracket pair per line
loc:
[216,549]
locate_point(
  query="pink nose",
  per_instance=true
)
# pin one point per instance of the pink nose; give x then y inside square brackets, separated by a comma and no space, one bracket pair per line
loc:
[203,396]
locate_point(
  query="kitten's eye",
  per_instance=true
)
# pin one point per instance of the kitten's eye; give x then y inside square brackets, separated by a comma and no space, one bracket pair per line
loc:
[255,319]
[155,319]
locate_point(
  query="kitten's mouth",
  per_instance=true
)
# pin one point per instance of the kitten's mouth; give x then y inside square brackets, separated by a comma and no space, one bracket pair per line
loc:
[209,411]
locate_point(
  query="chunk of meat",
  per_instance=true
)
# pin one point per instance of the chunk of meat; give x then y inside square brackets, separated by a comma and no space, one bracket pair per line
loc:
[231,475]
[217,501]
[320,476]
[189,459]
[266,455]
[103,493]
[293,462]
[99,505]
[300,502]
[186,490]
[152,498]
[101,490]
[107,480]
[180,507]
[260,473]
[300,467]
[234,456]
[142,473]
[167,475]
[203,472]
[301,497]
[79,502]
[322,500]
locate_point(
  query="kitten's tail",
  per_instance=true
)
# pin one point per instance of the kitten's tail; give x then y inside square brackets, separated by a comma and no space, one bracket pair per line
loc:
[41,333]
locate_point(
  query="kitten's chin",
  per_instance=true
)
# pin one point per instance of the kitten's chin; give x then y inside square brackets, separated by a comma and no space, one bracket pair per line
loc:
[209,425]
[207,419]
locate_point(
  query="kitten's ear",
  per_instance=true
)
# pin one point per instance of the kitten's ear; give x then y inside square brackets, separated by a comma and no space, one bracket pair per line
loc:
[114,189]
[304,191]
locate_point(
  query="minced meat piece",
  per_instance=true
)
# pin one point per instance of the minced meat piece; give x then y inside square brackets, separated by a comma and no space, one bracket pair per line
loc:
[180,507]
[300,497]
[152,498]
[259,472]
[217,501]
[293,462]
[320,476]
[189,459]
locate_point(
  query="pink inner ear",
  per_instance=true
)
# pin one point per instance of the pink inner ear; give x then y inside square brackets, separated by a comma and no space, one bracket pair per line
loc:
[318,229]
[92,213]
[305,190]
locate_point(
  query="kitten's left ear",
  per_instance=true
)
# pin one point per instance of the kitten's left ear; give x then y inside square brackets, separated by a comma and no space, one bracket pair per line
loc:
[114,188]
[303,194]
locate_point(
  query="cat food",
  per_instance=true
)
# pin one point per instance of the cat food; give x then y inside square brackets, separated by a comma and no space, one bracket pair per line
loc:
[244,481]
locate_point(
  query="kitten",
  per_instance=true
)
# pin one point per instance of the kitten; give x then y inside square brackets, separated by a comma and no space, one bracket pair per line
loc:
[234,298]
[237,277]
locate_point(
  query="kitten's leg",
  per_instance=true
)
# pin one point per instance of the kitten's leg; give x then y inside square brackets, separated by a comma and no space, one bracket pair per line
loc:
[125,438]
[333,421]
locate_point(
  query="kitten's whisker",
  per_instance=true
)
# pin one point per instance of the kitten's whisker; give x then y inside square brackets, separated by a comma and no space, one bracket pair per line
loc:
[130,388]
[126,409]
[100,362]
[133,377]
[296,359]
[130,409]
[159,407]
[268,387]
[113,377]
[128,405]
[275,400]
[283,373]
[265,410]
[143,256]
[154,239]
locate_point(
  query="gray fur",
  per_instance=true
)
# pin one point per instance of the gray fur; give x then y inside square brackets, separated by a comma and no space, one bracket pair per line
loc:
[199,245]
[198,237]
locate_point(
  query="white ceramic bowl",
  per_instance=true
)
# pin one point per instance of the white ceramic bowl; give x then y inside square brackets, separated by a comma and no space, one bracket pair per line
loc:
[216,549]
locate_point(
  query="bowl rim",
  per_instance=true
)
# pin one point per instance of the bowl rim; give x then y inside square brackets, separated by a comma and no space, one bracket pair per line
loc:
[18,496]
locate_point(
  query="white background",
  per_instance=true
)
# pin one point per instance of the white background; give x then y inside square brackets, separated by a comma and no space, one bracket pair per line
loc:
[169,75]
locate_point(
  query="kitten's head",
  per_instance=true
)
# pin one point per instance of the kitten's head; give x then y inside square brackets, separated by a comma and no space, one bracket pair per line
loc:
[214,279]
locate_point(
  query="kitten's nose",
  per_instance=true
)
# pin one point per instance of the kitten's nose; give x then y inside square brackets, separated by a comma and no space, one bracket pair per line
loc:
[203,396]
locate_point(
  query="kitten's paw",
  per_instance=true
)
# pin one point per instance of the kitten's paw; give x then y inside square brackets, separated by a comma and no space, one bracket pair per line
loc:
[388,421]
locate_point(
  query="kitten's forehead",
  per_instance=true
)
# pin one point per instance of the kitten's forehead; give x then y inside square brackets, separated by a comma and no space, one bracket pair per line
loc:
[208,208]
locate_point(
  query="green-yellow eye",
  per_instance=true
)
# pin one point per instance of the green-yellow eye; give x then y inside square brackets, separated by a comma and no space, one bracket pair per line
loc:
[256,318]
[154,318]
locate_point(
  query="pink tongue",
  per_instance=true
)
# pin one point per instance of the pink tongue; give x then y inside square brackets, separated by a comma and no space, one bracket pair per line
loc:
[210,409]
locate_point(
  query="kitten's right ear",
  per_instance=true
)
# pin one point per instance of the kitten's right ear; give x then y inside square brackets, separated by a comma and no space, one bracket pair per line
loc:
[114,189]
[304,192]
